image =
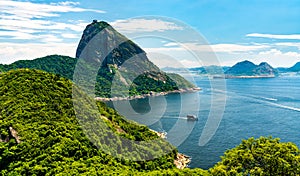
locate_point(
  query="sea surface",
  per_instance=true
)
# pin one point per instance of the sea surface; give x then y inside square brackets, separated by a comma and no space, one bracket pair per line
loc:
[253,108]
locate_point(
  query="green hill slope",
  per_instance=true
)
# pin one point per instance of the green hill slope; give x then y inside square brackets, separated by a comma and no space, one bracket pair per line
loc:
[40,134]
[64,66]
[61,65]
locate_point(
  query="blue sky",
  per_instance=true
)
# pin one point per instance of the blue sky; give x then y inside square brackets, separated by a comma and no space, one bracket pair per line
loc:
[255,30]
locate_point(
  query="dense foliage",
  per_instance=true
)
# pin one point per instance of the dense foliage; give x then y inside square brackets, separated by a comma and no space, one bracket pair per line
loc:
[39,107]
[61,65]
[64,66]
[263,156]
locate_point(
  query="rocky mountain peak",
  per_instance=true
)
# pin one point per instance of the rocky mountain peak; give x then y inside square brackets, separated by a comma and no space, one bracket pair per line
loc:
[102,43]
[247,68]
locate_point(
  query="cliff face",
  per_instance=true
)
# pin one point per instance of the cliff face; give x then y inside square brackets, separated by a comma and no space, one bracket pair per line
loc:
[121,62]
[247,68]
[265,69]
[100,42]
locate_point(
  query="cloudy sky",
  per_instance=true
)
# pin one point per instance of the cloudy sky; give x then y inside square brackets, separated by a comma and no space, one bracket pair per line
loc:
[254,30]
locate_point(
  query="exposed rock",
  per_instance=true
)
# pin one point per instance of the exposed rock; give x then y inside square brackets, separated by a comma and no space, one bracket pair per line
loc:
[151,94]
[182,161]
[120,61]
[14,134]
[162,135]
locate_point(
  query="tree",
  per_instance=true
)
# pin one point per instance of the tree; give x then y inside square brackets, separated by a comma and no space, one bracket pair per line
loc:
[262,156]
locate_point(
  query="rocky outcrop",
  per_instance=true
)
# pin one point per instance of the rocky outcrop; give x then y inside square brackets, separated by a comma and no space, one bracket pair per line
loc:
[182,161]
[151,94]
[101,43]
[162,135]
[12,133]
[120,63]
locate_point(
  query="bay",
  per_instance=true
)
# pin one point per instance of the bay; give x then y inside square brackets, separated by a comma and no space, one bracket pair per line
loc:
[254,108]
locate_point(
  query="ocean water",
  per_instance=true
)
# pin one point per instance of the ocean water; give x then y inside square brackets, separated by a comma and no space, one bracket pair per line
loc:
[254,108]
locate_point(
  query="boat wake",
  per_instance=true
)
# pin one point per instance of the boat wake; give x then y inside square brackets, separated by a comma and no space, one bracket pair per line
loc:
[175,117]
[285,107]
[261,99]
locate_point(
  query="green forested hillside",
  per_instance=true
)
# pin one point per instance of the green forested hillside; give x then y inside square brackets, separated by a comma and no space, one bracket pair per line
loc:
[40,135]
[64,66]
[263,156]
[61,65]
[38,108]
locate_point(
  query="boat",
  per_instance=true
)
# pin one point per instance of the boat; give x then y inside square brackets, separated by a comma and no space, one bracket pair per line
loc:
[191,117]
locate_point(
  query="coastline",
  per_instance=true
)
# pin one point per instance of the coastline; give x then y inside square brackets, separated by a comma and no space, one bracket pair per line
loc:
[151,94]
[243,77]
[181,161]
[162,135]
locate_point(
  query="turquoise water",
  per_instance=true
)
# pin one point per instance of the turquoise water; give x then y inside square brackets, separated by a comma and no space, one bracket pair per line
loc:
[254,107]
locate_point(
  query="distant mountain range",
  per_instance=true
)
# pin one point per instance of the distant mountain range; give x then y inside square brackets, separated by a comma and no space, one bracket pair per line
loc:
[213,69]
[247,69]
[294,68]
[244,69]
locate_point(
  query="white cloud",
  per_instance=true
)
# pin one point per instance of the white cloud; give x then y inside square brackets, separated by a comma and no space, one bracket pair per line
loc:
[144,25]
[48,38]
[163,49]
[272,51]
[28,36]
[24,20]
[289,44]
[30,10]
[66,3]
[71,36]
[237,47]
[191,63]
[226,48]
[274,56]
[168,60]
[11,52]
[38,25]
[276,52]
[171,44]
[275,36]
[16,35]
[229,54]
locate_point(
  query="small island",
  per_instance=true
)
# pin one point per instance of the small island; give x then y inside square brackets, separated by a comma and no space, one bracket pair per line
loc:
[247,69]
